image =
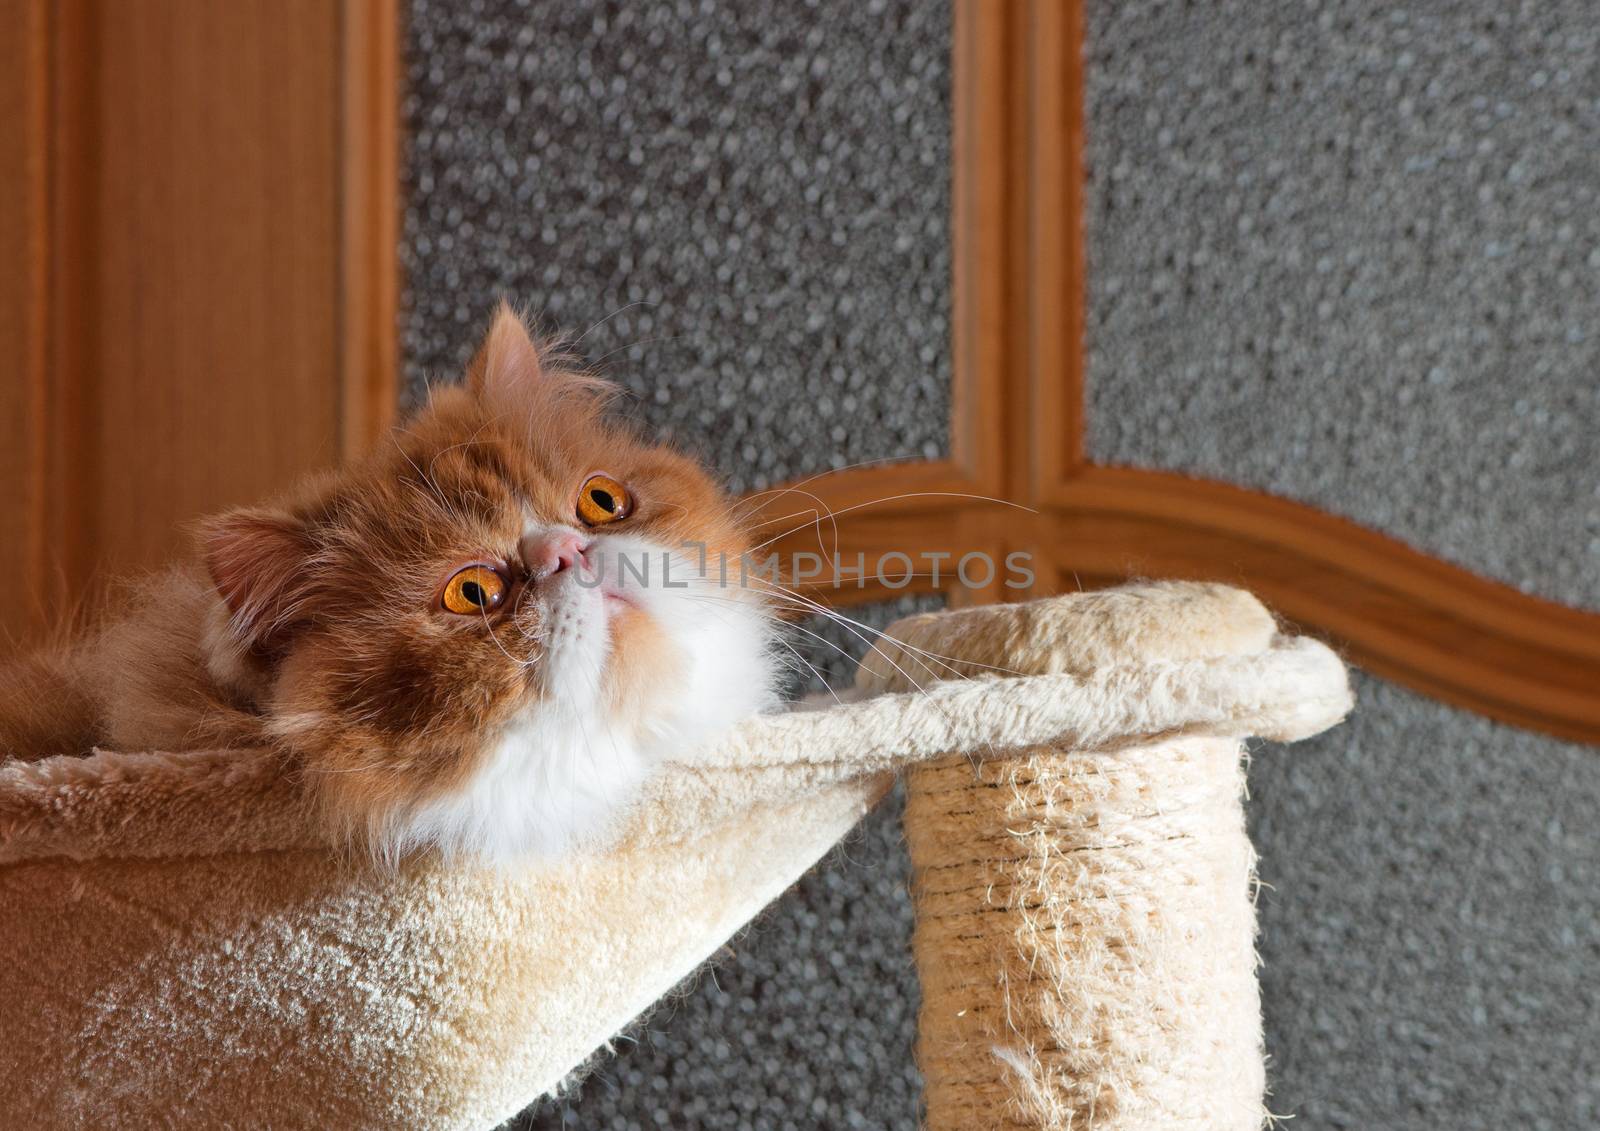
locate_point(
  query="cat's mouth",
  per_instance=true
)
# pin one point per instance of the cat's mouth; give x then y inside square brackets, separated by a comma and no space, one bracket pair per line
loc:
[589,587]
[615,598]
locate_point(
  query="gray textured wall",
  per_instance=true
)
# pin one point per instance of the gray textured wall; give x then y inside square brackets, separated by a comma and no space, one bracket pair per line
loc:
[1430,937]
[741,209]
[1350,252]
[1292,213]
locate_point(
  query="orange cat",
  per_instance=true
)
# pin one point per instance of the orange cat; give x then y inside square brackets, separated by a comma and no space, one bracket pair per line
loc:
[481,637]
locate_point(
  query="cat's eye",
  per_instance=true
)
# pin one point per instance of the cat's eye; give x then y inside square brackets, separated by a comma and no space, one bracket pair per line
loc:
[474,589]
[603,500]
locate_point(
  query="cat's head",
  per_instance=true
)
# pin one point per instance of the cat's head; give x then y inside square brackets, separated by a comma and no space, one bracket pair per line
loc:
[483,635]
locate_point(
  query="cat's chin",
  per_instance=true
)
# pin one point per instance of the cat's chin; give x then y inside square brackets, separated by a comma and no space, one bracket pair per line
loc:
[634,678]
[552,783]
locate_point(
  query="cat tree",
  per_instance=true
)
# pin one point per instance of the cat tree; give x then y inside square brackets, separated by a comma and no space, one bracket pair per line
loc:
[182,949]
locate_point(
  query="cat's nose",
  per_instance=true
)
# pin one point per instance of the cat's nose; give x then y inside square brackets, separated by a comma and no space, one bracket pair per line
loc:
[548,552]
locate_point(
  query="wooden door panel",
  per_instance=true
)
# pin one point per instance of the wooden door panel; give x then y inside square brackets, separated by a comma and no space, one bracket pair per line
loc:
[207,304]
[24,115]
[196,322]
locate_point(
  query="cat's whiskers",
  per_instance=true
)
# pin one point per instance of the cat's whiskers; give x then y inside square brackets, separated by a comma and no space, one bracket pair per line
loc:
[573,345]
[713,600]
[950,663]
[821,511]
[826,686]
[953,666]
[785,517]
[860,632]
[750,498]
[920,655]
[489,627]
[426,480]
[815,674]
[640,342]
[851,627]
[833,515]
[470,441]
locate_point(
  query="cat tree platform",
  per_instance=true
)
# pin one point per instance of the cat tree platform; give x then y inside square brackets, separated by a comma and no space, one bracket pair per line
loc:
[180,948]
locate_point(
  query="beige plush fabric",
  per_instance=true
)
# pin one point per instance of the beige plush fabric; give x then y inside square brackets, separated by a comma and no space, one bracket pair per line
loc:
[1085,918]
[177,948]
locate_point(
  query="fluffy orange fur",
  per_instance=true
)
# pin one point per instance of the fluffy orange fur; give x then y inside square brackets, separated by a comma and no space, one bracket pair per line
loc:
[314,624]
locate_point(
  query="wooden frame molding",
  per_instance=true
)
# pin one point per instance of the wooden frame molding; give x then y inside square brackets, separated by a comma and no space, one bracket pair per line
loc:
[198,211]
[1018,434]
[24,311]
[369,218]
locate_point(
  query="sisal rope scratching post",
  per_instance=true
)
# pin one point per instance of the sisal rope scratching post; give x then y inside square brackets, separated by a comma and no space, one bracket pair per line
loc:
[179,942]
[1085,926]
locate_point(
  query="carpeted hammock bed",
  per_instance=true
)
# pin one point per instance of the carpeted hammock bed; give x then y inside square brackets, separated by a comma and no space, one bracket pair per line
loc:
[179,949]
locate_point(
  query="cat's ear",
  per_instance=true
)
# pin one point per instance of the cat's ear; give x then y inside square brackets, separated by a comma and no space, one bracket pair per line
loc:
[507,359]
[257,559]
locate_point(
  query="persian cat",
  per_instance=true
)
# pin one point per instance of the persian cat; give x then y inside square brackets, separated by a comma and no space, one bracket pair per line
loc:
[481,638]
